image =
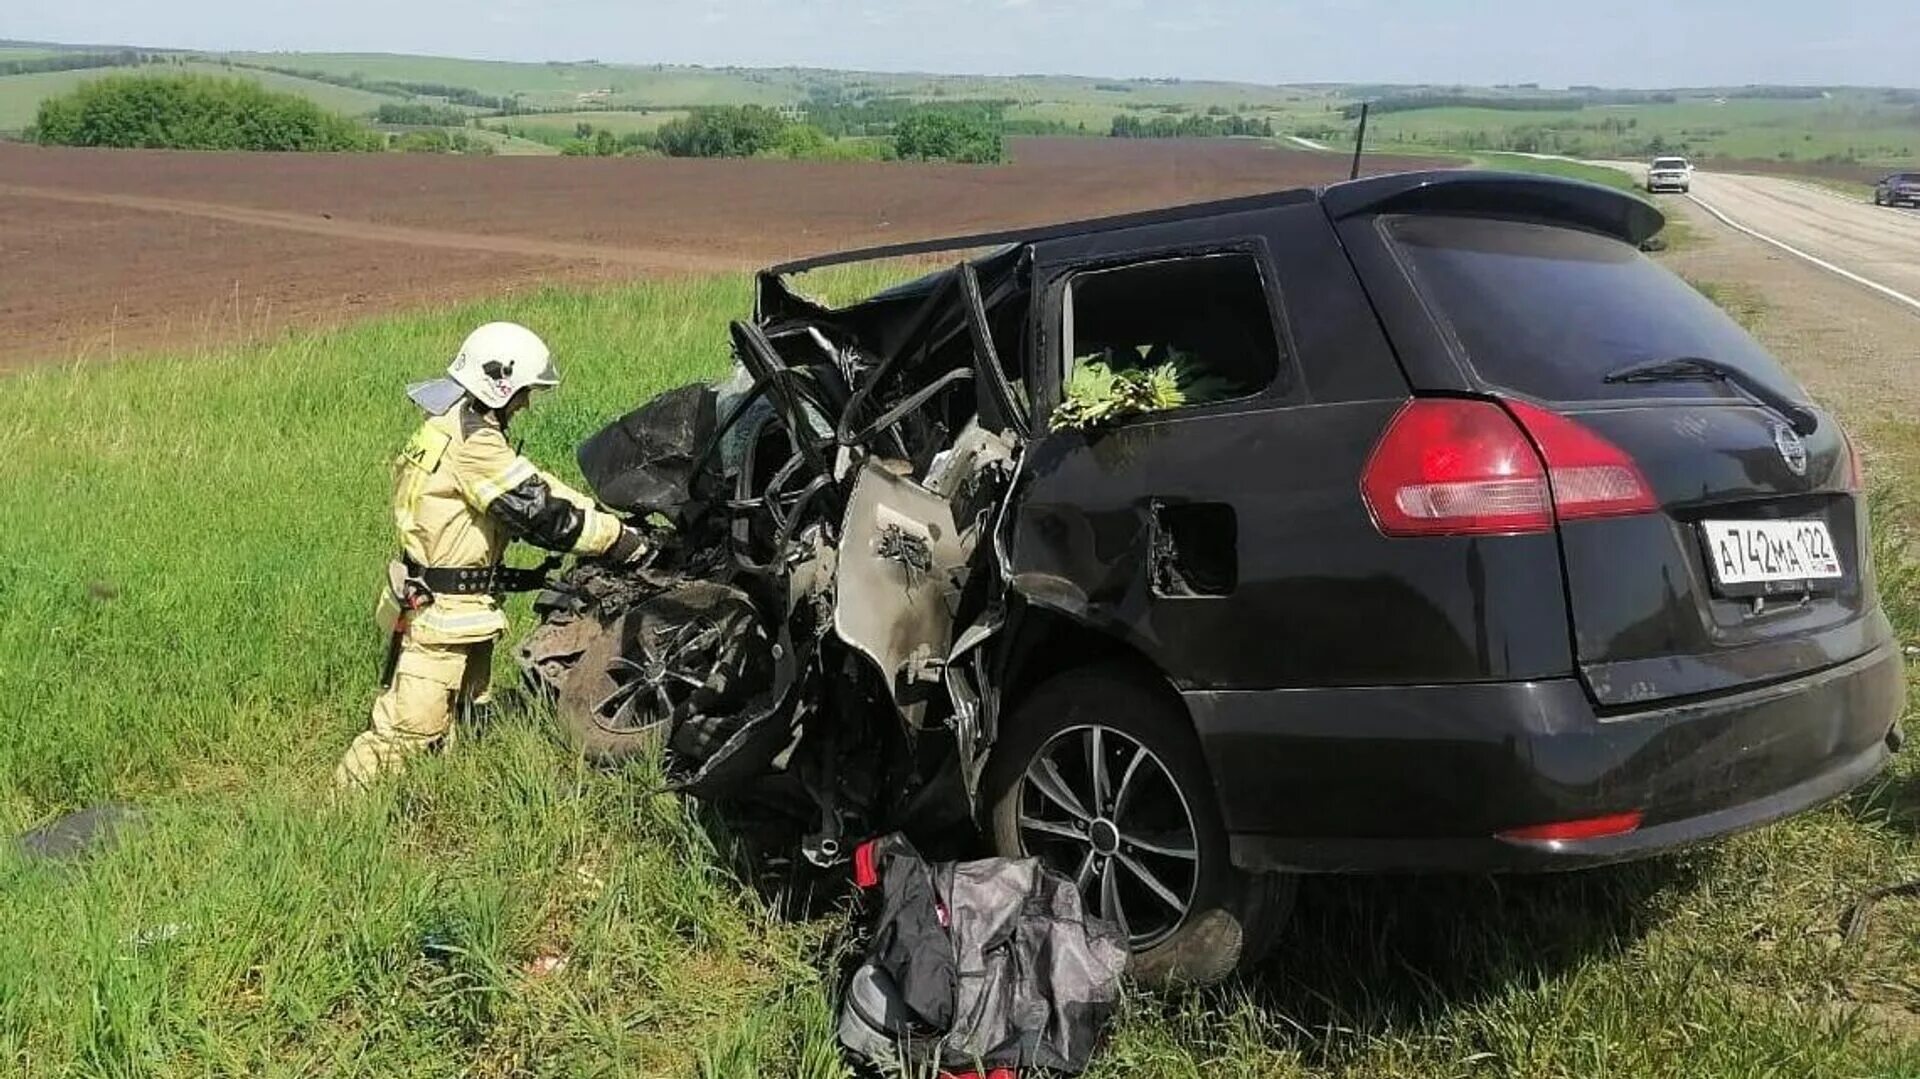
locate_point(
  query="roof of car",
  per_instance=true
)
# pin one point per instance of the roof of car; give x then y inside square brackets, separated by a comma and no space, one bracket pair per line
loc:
[1575,202]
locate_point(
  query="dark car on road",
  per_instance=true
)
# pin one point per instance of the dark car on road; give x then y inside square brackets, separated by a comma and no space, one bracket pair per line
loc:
[1473,541]
[1897,188]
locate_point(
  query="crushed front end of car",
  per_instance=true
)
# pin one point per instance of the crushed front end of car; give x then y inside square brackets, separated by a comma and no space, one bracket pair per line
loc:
[810,631]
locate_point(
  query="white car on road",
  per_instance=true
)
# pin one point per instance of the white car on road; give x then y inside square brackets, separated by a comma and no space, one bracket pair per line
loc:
[1669,174]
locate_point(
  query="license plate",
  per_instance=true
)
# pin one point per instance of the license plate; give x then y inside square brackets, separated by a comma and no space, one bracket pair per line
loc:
[1765,552]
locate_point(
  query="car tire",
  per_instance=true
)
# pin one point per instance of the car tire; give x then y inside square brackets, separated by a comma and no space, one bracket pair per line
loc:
[1156,807]
[585,686]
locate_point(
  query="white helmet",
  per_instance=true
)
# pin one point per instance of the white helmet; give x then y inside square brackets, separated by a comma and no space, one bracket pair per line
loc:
[499,360]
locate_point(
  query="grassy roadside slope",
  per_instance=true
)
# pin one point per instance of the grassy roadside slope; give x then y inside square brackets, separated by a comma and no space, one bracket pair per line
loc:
[195,541]
[188,567]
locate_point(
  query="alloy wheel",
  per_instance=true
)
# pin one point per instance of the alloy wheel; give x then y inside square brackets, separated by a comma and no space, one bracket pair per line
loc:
[1100,807]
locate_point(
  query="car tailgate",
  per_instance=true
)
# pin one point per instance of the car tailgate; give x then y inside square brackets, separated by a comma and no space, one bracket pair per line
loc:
[1552,317]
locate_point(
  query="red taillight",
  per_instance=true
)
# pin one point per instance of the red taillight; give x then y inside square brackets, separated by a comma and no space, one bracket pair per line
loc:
[1453,467]
[1585,828]
[1856,469]
[1590,476]
[1449,467]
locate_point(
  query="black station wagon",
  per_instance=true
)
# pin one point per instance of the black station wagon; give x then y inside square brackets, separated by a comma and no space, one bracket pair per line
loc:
[1464,537]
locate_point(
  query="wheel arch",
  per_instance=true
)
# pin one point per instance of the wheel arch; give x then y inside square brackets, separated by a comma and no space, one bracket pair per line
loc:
[1043,640]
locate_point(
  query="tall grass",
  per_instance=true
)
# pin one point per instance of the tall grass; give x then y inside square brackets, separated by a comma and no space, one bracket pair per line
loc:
[186,574]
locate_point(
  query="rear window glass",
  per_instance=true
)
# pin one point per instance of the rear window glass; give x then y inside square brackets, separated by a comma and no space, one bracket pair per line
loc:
[1670,163]
[1548,312]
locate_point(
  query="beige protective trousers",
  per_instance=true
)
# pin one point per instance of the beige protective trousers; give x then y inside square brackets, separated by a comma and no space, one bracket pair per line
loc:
[431,685]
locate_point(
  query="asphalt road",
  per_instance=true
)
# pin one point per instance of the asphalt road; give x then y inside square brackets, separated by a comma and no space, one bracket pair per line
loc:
[1877,243]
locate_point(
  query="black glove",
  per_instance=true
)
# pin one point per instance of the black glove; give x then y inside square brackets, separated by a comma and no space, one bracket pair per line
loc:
[630,548]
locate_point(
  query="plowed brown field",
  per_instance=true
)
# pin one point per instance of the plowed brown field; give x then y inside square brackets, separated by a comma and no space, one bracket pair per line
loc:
[107,252]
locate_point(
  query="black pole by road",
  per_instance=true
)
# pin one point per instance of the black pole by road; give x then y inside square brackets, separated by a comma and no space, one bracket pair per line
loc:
[1359,143]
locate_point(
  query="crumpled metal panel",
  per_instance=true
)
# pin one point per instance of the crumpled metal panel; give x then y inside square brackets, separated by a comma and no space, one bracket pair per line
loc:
[645,462]
[901,565]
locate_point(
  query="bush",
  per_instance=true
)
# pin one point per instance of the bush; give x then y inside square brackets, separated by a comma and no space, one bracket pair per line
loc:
[938,135]
[722,131]
[801,142]
[193,112]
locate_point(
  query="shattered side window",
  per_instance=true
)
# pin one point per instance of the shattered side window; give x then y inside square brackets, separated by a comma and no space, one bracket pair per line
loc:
[1198,329]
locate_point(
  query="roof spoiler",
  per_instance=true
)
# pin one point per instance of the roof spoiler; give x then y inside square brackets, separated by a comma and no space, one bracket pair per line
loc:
[1550,198]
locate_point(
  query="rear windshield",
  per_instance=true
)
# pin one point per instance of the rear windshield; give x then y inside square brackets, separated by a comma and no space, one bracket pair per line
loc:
[1670,163]
[1547,312]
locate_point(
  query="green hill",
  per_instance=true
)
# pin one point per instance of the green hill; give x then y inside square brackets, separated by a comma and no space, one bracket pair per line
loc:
[1794,127]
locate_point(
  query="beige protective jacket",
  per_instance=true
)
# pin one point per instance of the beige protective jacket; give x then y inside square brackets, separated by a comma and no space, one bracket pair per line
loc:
[460,494]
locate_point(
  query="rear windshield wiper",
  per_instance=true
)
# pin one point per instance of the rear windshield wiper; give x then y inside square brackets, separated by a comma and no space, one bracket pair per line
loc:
[1700,369]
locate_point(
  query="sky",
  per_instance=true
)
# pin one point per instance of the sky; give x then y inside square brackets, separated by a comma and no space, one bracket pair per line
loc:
[1627,43]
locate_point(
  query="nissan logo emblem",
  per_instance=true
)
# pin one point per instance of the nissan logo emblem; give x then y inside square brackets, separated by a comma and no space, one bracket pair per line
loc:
[1792,450]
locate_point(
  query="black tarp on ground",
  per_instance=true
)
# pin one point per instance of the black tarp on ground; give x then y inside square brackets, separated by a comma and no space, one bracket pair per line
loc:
[77,834]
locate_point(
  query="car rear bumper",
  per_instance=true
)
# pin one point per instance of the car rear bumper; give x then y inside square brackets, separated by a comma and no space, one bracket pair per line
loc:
[1426,777]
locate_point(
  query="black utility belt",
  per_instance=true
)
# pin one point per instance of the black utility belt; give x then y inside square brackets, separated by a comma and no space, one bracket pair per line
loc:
[477,580]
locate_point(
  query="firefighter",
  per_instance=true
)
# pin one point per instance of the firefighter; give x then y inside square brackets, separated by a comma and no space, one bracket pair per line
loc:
[460,494]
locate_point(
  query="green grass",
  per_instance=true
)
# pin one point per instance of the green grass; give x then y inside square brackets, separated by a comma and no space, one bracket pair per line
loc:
[508,145]
[1547,166]
[1745,304]
[188,564]
[20,95]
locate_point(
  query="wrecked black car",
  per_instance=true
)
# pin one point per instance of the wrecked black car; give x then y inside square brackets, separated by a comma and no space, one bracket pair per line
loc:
[1414,523]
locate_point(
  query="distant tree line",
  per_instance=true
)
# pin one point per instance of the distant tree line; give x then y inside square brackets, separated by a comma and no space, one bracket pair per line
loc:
[1033,126]
[420,114]
[1415,102]
[1774,93]
[193,112]
[440,142]
[1509,102]
[924,134]
[1194,126]
[458,95]
[76,61]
